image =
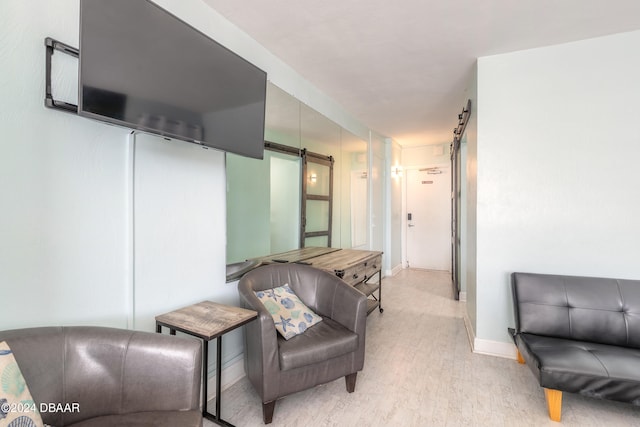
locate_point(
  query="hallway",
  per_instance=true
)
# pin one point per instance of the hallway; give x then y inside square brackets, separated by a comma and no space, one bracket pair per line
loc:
[420,371]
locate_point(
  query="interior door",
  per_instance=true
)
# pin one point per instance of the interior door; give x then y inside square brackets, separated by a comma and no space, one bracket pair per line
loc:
[456,216]
[457,200]
[429,218]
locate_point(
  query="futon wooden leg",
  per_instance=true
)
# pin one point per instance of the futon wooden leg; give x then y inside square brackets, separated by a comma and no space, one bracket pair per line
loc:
[351,382]
[267,411]
[520,358]
[554,403]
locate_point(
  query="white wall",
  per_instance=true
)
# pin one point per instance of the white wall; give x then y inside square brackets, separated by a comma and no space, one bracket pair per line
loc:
[425,155]
[179,210]
[63,180]
[557,168]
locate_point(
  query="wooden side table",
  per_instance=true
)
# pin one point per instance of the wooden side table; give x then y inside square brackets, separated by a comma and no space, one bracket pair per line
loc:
[207,320]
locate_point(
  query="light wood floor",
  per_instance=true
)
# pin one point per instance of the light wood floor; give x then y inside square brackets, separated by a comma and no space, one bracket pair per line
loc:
[420,371]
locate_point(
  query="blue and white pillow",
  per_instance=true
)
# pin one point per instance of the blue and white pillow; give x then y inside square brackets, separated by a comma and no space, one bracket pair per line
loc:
[290,315]
[17,408]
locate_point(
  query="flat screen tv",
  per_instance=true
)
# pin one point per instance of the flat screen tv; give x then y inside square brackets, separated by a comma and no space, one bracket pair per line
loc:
[143,68]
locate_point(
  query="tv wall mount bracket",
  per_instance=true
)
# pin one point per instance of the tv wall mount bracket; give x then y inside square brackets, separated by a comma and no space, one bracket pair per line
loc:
[51,46]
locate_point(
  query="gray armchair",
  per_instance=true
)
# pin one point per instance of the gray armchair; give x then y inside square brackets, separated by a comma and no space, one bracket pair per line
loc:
[329,350]
[115,377]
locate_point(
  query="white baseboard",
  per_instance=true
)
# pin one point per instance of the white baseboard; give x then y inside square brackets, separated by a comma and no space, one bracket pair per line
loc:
[231,374]
[495,348]
[395,270]
[488,347]
[462,296]
[467,324]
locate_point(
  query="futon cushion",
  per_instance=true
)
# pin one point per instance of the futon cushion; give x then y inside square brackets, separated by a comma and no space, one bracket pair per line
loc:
[601,310]
[17,407]
[592,369]
[290,315]
[322,342]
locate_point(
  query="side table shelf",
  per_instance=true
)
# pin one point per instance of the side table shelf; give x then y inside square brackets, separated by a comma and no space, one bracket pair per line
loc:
[369,289]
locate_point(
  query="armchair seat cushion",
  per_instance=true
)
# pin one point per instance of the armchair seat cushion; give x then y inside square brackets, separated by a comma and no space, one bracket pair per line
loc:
[323,341]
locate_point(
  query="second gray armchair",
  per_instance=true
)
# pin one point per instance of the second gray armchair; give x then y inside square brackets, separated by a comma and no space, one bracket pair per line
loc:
[329,350]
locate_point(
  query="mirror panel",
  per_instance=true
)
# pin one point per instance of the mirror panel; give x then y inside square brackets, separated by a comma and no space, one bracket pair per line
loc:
[285,202]
[355,191]
[282,117]
[318,179]
[319,241]
[317,133]
[320,135]
[263,196]
[317,215]
[248,208]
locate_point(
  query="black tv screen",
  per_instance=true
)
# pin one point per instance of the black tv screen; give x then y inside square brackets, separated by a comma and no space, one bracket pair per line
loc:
[143,68]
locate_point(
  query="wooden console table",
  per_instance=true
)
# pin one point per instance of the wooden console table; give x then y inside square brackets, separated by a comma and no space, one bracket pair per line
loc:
[207,320]
[355,267]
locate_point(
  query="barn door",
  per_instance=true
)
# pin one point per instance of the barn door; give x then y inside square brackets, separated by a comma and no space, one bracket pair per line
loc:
[317,200]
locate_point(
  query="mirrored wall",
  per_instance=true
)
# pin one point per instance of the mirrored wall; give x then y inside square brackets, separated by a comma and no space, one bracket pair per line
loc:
[264,197]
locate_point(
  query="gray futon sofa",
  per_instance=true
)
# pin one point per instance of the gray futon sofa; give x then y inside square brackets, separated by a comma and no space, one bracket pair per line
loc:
[579,335]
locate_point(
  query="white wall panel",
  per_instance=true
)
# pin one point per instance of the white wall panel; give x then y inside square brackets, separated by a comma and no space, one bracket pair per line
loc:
[62,185]
[179,223]
[557,168]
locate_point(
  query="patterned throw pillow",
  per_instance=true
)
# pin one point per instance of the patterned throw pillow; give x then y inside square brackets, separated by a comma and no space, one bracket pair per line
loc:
[289,314]
[17,408]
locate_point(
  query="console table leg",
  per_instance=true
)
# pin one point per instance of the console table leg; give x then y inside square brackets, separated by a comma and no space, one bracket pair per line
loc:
[205,375]
[218,375]
[380,291]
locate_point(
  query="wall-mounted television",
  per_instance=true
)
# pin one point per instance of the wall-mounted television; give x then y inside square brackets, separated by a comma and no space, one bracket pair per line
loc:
[143,68]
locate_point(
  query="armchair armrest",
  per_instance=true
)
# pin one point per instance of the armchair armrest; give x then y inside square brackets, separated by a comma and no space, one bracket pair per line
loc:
[261,340]
[342,302]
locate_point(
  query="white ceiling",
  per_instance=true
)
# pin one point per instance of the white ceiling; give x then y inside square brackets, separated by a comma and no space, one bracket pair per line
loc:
[402,67]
